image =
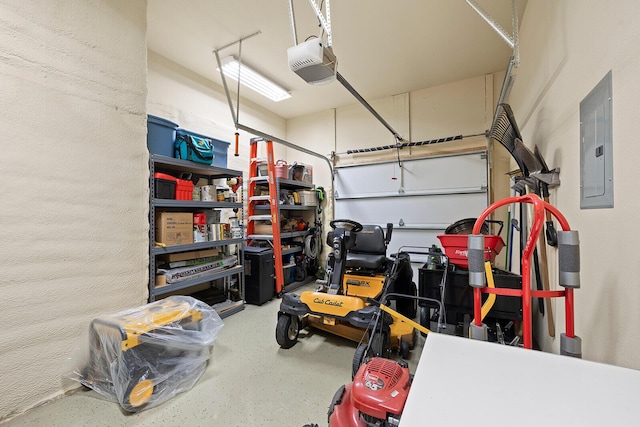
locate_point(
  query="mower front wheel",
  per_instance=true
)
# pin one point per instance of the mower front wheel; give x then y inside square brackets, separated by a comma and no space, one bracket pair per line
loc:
[359,357]
[287,330]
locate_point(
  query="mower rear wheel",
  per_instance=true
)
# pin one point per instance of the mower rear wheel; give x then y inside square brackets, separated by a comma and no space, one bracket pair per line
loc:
[414,339]
[408,306]
[424,319]
[405,349]
[287,331]
[362,353]
[379,344]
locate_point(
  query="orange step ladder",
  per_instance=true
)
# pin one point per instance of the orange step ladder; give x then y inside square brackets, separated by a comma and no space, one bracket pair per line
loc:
[274,217]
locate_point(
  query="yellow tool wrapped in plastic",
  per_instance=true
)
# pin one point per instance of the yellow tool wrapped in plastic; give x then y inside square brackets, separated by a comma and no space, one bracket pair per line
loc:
[144,356]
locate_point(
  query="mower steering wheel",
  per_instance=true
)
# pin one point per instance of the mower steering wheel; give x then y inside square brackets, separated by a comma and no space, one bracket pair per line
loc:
[347,224]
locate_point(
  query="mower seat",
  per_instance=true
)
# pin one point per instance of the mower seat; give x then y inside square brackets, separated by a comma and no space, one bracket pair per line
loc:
[370,251]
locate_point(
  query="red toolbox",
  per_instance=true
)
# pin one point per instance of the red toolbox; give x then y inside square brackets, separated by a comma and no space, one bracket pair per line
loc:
[184,189]
[164,186]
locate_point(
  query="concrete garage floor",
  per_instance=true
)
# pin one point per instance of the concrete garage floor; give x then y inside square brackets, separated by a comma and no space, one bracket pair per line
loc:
[250,381]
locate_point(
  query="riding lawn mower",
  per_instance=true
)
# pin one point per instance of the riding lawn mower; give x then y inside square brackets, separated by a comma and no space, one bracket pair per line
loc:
[358,272]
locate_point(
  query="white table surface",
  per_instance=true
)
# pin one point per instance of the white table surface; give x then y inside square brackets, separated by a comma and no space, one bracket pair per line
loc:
[463,382]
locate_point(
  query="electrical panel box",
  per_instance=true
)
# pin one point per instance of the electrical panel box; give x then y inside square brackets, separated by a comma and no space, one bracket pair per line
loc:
[596,151]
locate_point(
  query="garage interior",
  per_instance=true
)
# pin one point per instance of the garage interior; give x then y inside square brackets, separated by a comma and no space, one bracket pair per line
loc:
[81,81]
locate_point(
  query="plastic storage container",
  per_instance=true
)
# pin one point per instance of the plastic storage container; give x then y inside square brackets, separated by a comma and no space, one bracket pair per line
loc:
[161,134]
[184,189]
[282,169]
[164,186]
[220,148]
[307,198]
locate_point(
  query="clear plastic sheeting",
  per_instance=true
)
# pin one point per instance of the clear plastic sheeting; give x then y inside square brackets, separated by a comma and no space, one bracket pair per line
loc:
[144,356]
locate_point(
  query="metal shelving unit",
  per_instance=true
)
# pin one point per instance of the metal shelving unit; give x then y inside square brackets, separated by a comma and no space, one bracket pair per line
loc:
[173,166]
[272,211]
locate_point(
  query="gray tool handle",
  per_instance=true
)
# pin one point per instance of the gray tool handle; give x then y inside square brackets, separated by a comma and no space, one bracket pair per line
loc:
[475,256]
[569,259]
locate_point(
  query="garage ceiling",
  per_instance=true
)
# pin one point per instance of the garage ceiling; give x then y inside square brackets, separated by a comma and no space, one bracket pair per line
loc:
[383,47]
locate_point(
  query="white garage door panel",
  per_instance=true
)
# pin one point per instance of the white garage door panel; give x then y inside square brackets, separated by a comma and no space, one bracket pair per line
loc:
[432,175]
[438,191]
[445,173]
[416,211]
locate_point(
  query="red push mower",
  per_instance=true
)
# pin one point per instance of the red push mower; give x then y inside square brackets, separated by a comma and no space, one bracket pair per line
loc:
[376,397]
[569,273]
[379,389]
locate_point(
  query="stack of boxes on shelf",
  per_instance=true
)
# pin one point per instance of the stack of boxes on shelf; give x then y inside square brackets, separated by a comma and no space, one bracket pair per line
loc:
[295,172]
[183,228]
[179,228]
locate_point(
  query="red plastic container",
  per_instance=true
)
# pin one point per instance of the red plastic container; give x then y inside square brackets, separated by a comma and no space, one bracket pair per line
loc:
[199,218]
[282,169]
[184,189]
[160,175]
[456,247]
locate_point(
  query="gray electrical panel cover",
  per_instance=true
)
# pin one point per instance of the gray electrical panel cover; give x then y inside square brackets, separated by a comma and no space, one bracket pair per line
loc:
[596,151]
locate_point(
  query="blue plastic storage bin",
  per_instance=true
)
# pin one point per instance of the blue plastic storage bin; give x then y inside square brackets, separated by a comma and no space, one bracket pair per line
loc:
[220,148]
[161,134]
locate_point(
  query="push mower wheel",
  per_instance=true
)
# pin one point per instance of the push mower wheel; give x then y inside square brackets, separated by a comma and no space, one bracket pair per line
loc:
[405,349]
[359,357]
[414,339]
[379,344]
[287,331]
[408,306]
[424,319]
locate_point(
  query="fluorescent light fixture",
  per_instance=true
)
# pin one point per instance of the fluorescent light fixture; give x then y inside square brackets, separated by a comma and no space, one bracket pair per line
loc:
[253,80]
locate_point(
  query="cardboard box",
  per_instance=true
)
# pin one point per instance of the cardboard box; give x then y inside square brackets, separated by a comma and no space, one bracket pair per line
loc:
[184,256]
[263,227]
[174,228]
[161,280]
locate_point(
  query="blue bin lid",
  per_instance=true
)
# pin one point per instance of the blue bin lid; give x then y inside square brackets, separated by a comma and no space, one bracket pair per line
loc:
[162,122]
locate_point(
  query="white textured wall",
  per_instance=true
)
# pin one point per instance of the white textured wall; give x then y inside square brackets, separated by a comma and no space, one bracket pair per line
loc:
[74,182]
[567,47]
[196,103]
